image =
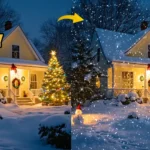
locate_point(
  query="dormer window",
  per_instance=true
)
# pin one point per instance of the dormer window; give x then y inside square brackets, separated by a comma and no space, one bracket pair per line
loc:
[98,54]
[15,51]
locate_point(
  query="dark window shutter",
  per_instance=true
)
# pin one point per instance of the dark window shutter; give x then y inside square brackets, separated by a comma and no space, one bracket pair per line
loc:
[98,55]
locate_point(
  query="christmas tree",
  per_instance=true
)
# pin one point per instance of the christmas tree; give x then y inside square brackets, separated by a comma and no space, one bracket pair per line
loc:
[55,86]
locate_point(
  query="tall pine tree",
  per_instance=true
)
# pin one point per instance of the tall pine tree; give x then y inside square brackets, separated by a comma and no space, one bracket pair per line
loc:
[55,86]
[83,71]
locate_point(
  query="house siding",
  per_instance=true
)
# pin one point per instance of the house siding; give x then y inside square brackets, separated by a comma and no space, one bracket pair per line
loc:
[16,38]
[103,64]
[141,48]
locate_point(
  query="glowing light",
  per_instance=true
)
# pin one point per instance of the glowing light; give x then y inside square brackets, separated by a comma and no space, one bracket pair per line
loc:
[53,53]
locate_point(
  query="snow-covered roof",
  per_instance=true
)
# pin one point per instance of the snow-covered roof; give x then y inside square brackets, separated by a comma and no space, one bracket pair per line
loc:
[9,61]
[8,32]
[116,44]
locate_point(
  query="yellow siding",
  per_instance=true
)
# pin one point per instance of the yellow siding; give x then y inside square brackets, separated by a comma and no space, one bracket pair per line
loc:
[141,49]
[137,72]
[3,72]
[109,78]
[40,77]
[16,38]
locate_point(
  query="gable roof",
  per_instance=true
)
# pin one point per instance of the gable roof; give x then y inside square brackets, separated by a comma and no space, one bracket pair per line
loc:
[29,42]
[115,45]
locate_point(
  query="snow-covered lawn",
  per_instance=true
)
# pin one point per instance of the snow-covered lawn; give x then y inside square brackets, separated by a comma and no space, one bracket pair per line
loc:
[19,127]
[106,127]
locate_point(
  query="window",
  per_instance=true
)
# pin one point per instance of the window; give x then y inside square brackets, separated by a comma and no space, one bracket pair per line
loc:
[33,84]
[98,83]
[15,51]
[98,54]
[149,51]
[127,79]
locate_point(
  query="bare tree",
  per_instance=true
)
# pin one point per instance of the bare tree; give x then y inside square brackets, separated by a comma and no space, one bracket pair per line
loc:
[7,14]
[117,15]
[57,36]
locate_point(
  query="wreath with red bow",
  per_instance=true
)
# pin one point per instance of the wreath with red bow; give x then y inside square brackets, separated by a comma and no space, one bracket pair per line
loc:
[16,83]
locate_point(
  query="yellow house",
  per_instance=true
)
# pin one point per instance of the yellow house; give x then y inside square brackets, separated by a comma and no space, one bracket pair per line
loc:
[21,66]
[124,61]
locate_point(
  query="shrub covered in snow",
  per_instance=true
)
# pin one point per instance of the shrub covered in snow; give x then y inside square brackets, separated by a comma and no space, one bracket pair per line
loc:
[57,131]
[140,100]
[133,96]
[126,99]
[67,112]
[133,115]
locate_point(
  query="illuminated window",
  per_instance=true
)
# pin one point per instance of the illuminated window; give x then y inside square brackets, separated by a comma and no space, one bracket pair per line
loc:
[33,84]
[98,83]
[127,79]
[15,51]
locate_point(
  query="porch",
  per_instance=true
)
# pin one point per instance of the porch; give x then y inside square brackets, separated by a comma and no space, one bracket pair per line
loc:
[29,88]
[125,77]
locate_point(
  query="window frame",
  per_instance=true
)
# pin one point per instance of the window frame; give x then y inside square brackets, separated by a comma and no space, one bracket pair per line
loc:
[127,80]
[16,51]
[33,81]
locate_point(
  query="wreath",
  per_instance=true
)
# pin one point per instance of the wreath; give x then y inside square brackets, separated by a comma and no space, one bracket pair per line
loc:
[16,83]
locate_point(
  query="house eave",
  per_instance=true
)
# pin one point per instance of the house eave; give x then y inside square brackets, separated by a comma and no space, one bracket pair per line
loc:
[126,62]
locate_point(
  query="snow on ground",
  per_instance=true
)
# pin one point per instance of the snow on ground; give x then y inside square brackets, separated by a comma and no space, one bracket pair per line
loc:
[106,127]
[19,128]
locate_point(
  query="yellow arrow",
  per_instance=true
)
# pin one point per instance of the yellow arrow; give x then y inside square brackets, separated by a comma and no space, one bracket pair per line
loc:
[75,18]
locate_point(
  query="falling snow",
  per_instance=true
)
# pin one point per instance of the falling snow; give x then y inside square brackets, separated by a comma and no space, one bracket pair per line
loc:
[107,127]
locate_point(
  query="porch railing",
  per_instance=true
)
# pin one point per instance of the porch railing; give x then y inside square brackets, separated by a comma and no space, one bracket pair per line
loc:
[8,93]
[36,92]
[12,95]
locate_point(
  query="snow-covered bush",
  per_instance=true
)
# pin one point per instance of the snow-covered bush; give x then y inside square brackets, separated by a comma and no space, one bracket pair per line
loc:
[133,115]
[67,112]
[4,100]
[124,99]
[56,130]
[1,117]
[140,100]
[133,96]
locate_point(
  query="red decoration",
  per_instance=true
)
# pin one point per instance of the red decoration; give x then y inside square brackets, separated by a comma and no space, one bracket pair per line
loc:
[79,107]
[149,83]
[148,67]
[13,67]
[16,83]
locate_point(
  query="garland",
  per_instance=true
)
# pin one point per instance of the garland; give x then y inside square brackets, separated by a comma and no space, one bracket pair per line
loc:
[16,83]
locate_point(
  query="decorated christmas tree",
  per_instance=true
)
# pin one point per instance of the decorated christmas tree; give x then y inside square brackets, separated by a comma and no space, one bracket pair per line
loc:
[55,86]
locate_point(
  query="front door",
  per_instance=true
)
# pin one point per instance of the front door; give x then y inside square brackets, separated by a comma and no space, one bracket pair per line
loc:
[16,91]
[16,86]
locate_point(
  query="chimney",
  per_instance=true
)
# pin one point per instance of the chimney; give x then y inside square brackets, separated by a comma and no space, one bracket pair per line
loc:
[8,25]
[144,25]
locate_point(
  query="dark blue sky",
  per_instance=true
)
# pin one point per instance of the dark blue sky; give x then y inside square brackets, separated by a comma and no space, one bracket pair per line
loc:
[34,12]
